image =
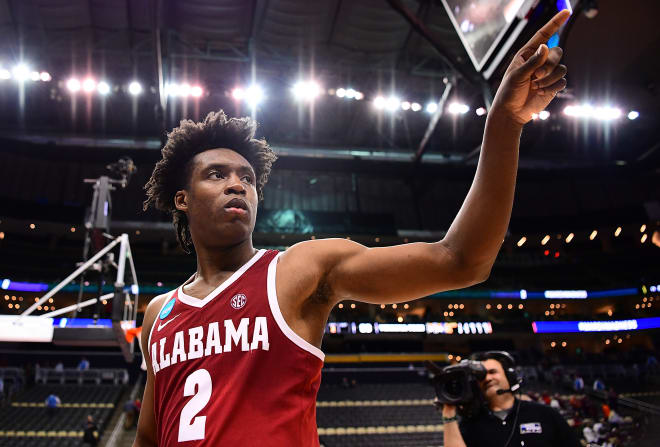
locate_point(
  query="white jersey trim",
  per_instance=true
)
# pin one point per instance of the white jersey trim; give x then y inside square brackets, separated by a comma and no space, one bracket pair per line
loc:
[151,331]
[195,302]
[279,319]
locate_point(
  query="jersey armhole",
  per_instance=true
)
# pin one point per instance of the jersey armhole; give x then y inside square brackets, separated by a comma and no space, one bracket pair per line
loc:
[277,313]
[151,331]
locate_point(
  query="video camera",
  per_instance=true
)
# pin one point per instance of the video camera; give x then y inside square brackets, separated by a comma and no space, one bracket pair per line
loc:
[459,385]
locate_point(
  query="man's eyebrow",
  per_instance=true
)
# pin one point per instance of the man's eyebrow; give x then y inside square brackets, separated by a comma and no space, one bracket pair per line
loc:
[242,168]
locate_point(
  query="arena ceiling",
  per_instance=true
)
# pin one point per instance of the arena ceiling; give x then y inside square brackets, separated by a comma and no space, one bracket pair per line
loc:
[364,44]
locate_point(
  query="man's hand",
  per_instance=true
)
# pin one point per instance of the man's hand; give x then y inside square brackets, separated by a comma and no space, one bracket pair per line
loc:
[534,76]
[448,411]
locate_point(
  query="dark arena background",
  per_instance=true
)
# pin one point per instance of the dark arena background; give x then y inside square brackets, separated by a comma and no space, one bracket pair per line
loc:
[376,110]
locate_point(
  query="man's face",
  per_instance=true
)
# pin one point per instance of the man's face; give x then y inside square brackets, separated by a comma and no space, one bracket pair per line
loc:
[495,378]
[221,198]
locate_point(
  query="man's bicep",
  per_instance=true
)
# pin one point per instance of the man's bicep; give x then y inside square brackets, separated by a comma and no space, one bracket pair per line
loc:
[397,273]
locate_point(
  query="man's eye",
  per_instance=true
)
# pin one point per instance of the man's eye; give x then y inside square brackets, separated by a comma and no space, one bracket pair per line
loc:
[217,174]
[247,179]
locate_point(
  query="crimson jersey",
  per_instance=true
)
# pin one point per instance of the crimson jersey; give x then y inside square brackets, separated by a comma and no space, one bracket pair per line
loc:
[228,369]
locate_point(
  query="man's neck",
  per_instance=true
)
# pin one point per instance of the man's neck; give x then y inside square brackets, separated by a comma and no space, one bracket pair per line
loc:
[502,402]
[213,262]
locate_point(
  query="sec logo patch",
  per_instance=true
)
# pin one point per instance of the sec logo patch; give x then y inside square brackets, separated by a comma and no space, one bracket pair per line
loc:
[238,301]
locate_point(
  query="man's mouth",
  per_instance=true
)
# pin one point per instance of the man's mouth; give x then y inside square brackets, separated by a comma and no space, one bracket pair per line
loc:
[236,206]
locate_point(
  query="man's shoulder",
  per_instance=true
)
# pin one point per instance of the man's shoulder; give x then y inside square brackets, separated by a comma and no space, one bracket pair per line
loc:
[153,307]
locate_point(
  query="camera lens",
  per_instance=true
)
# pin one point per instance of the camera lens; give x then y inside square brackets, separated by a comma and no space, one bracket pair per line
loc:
[454,388]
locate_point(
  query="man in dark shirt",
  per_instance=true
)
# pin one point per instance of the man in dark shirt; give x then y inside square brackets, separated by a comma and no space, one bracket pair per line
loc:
[507,422]
[91,433]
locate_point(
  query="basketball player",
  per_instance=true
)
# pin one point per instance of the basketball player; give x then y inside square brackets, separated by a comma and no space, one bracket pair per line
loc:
[233,355]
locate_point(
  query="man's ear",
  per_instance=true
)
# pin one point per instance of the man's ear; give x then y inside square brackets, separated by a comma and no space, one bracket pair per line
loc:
[181,200]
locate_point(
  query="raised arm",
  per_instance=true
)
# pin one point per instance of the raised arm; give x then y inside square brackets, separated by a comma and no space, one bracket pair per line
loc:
[343,269]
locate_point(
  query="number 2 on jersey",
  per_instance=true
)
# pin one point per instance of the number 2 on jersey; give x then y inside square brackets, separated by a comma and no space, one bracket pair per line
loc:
[199,386]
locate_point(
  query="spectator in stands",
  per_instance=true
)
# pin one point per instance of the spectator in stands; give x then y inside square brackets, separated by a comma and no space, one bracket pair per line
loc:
[578,384]
[131,412]
[2,391]
[613,399]
[59,367]
[589,435]
[83,365]
[505,420]
[598,385]
[52,402]
[554,403]
[614,417]
[91,434]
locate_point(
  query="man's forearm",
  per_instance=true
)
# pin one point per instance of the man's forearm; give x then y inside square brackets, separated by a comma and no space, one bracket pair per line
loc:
[477,232]
[452,435]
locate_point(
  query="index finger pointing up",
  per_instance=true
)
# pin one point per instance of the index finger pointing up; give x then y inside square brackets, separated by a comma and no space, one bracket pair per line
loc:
[550,28]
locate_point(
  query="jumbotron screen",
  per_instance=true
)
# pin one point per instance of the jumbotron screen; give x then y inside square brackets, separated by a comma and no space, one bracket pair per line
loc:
[481,24]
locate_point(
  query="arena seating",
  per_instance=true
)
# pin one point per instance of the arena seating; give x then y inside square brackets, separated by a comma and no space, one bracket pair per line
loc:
[25,421]
[396,413]
[399,410]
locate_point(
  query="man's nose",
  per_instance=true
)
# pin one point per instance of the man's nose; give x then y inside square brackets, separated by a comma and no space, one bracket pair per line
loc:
[235,186]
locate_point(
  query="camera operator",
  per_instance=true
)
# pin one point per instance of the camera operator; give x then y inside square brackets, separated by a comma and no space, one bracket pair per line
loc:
[504,420]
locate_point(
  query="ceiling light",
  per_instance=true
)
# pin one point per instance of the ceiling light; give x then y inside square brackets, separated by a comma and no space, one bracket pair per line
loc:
[238,93]
[306,90]
[103,88]
[21,72]
[73,85]
[196,91]
[89,85]
[254,95]
[134,88]
[392,103]
[457,108]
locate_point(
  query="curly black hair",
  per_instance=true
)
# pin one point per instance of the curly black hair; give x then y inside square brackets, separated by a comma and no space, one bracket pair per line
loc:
[172,172]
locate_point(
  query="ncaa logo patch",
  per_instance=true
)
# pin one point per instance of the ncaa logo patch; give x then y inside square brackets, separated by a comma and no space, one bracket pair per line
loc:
[238,301]
[167,309]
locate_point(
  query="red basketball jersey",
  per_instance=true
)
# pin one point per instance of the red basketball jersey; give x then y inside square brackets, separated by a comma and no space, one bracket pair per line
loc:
[228,369]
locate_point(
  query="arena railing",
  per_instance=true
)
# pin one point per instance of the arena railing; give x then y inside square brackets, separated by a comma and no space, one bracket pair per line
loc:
[73,375]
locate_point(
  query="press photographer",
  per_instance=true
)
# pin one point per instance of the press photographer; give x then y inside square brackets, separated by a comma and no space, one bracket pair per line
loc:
[479,407]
